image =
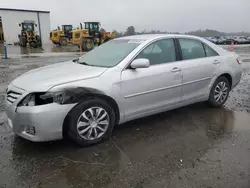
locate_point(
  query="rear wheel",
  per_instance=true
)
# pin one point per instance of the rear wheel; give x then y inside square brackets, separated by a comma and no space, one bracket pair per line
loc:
[219,92]
[91,122]
[87,45]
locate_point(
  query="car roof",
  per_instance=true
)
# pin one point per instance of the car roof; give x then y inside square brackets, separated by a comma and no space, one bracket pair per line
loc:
[151,37]
[154,36]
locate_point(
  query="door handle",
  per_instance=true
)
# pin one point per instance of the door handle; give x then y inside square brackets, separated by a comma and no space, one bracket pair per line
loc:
[176,69]
[216,62]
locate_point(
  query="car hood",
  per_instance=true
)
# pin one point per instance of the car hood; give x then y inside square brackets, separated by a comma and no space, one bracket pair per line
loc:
[42,79]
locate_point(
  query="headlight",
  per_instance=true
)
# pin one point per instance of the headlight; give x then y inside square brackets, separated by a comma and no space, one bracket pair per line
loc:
[66,96]
[29,100]
[36,99]
[57,97]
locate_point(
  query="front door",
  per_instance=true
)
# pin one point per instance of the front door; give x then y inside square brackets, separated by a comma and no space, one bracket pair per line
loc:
[198,68]
[150,90]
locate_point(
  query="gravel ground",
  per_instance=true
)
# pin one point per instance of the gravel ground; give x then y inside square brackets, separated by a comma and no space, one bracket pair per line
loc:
[194,146]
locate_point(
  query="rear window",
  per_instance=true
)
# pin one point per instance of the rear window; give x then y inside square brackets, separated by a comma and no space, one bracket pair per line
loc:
[191,49]
[209,51]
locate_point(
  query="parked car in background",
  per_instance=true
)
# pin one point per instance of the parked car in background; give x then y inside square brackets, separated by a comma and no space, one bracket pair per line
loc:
[229,40]
[248,40]
[245,40]
[221,40]
[240,40]
[212,39]
[124,79]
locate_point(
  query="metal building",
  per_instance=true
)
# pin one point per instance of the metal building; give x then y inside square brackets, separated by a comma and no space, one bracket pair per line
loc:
[11,18]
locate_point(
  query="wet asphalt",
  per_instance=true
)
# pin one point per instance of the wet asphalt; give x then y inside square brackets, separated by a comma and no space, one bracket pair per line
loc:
[194,146]
[47,48]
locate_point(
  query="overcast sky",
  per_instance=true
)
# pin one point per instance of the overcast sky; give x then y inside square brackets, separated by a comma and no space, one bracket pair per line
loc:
[165,15]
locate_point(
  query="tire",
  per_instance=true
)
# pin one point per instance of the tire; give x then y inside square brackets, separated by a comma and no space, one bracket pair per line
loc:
[39,44]
[221,84]
[87,45]
[33,44]
[63,41]
[106,39]
[99,132]
[24,44]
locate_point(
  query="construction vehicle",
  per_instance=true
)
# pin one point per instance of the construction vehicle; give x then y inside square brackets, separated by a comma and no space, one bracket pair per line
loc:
[61,36]
[85,38]
[28,34]
[91,36]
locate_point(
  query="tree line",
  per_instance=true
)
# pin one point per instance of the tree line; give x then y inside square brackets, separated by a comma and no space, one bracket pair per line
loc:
[202,33]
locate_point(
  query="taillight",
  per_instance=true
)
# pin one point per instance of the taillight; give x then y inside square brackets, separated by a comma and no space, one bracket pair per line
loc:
[238,60]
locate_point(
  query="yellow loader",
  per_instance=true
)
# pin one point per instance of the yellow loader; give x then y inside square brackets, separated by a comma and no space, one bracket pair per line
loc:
[91,36]
[28,34]
[61,36]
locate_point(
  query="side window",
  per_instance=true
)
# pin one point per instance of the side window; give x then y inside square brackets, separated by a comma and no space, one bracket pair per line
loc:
[152,49]
[162,51]
[209,51]
[191,49]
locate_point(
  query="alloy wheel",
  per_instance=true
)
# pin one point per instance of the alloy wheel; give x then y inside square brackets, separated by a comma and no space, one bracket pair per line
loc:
[93,123]
[221,92]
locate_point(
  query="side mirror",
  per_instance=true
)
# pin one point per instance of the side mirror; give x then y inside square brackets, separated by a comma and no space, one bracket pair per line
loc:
[36,25]
[20,25]
[140,63]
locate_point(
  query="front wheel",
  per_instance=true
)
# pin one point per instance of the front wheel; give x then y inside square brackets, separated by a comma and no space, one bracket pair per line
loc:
[63,41]
[23,42]
[33,44]
[219,92]
[91,122]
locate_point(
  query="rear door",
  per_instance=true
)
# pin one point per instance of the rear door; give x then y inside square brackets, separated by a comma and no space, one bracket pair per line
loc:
[199,64]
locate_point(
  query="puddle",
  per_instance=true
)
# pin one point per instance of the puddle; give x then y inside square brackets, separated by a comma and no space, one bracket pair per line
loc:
[246,60]
[147,146]
[29,56]
[47,48]
[228,121]
[238,121]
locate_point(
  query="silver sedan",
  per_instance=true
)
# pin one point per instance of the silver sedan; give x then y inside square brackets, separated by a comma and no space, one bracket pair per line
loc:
[124,79]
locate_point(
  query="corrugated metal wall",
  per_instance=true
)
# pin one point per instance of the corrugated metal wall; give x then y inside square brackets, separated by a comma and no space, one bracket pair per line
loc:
[11,20]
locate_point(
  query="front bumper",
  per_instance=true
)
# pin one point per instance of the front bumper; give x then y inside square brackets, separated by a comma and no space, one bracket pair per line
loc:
[47,120]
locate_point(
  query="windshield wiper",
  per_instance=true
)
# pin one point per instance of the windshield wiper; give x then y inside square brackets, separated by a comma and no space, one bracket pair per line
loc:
[75,60]
[82,63]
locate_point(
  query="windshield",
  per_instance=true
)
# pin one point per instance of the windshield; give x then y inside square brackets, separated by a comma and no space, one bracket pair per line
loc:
[67,27]
[109,54]
[28,26]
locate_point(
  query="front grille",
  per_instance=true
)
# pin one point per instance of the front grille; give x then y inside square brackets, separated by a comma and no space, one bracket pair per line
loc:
[12,96]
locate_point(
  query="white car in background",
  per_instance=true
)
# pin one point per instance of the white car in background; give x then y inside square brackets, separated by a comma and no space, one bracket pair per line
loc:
[124,79]
[240,40]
